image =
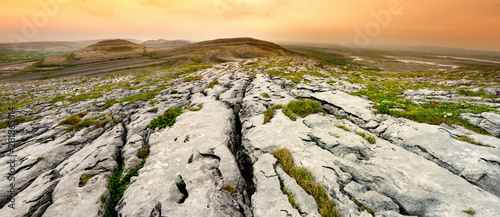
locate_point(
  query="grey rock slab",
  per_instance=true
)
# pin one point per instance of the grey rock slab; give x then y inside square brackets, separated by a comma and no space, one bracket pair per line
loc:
[355,107]
[306,202]
[474,163]
[168,164]
[268,199]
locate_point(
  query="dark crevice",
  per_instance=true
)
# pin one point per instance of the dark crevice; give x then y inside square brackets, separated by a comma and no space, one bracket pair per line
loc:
[181,186]
[42,203]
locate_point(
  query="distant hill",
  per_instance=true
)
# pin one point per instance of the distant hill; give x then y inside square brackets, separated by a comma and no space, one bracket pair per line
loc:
[101,51]
[224,50]
[165,44]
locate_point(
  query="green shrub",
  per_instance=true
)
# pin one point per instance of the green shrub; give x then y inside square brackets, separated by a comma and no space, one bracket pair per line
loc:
[166,119]
[301,108]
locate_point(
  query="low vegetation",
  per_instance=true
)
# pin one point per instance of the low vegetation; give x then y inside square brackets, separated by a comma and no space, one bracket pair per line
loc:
[389,100]
[470,212]
[213,83]
[16,121]
[363,207]
[294,76]
[343,127]
[471,141]
[78,124]
[166,119]
[326,206]
[198,108]
[370,139]
[230,189]
[265,95]
[117,185]
[192,78]
[269,113]
[84,179]
[301,108]
[290,196]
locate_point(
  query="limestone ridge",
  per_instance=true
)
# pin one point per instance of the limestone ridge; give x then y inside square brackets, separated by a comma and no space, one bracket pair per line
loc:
[82,151]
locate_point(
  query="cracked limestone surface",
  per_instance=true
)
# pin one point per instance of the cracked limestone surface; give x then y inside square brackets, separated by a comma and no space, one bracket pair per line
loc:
[217,160]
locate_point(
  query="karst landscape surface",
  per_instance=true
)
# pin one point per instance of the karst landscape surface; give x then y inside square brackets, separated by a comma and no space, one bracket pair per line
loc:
[244,127]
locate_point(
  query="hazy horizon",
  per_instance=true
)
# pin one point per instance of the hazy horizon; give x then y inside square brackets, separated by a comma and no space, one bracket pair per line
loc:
[450,24]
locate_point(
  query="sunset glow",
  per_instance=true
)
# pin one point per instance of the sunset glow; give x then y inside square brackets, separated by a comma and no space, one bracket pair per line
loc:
[458,23]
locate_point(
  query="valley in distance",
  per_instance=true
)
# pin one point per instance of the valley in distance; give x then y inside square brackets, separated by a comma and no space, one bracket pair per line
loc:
[245,127]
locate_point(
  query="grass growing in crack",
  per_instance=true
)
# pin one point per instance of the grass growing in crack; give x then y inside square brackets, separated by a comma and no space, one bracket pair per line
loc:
[98,122]
[117,186]
[471,141]
[143,152]
[213,83]
[200,106]
[192,78]
[470,212]
[389,100]
[84,179]
[301,108]
[269,113]
[265,95]
[153,110]
[190,160]
[289,194]
[17,120]
[364,208]
[230,189]
[166,119]
[186,139]
[73,119]
[174,92]
[326,207]
[294,76]
[370,139]
[343,127]
[145,96]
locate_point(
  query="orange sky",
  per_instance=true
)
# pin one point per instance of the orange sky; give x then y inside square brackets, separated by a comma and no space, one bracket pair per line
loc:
[450,23]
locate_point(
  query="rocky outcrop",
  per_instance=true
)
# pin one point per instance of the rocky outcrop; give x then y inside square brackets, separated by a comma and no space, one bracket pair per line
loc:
[215,159]
[488,121]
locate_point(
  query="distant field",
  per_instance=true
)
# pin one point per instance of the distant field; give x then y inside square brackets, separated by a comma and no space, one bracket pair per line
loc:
[399,60]
[8,56]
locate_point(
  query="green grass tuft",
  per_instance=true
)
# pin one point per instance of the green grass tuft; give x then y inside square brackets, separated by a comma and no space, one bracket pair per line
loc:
[84,179]
[192,78]
[166,119]
[470,212]
[471,141]
[269,113]
[326,206]
[230,189]
[343,127]
[213,83]
[301,108]
[265,95]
